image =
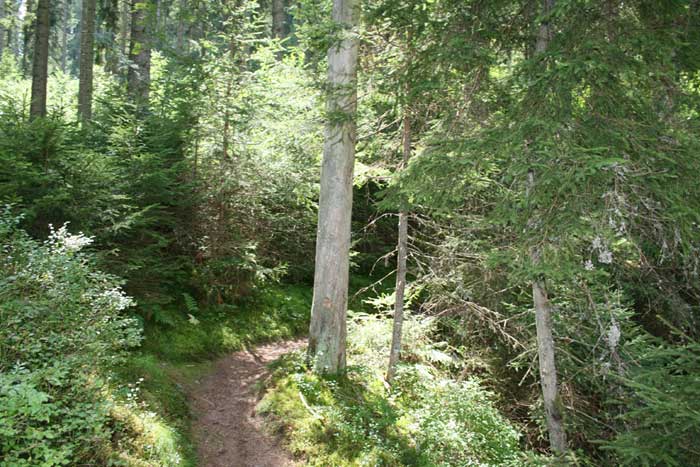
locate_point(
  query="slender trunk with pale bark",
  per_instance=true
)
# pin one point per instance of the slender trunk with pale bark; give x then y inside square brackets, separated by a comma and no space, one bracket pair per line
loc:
[139,75]
[543,312]
[27,34]
[3,32]
[87,55]
[402,254]
[65,32]
[181,26]
[40,65]
[328,331]
[124,26]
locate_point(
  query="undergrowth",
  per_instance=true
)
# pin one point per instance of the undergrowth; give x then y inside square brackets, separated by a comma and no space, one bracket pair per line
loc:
[428,417]
[174,355]
[79,382]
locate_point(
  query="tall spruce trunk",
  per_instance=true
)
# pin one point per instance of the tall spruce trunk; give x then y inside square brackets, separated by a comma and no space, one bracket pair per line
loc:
[27,34]
[40,65]
[181,26]
[328,331]
[280,27]
[65,32]
[87,58]
[124,26]
[280,24]
[3,32]
[543,312]
[139,75]
[402,254]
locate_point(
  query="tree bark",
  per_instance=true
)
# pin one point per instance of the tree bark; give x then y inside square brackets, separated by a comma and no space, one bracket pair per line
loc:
[124,26]
[280,24]
[181,26]
[40,66]
[87,58]
[139,75]
[402,253]
[65,32]
[548,369]
[3,32]
[543,311]
[327,334]
[27,34]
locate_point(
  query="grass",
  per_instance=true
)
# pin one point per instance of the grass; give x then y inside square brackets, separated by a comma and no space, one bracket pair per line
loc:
[427,418]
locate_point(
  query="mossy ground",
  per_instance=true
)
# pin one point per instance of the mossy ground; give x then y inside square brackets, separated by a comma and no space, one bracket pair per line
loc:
[153,420]
[428,417]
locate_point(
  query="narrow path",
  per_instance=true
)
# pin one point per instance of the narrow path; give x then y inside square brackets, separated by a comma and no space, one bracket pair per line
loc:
[227,432]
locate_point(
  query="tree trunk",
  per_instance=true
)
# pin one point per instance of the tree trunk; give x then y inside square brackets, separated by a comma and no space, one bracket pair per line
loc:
[3,32]
[13,34]
[181,26]
[139,75]
[280,24]
[27,34]
[65,32]
[548,369]
[327,334]
[87,58]
[40,66]
[124,28]
[543,312]
[402,253]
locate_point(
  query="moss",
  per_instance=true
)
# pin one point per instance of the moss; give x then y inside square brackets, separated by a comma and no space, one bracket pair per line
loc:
[156,431]
[425,419]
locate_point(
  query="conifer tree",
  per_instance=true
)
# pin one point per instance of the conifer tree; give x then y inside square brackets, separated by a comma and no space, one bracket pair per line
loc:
[327,333]
[87,53]
[40,66]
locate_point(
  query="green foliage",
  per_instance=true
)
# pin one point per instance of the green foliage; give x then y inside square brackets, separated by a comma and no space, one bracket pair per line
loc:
[662,411]
[425,419]
[63,326]
[275,312]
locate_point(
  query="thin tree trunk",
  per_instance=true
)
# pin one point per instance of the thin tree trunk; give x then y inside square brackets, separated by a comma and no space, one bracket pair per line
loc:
[139,75]
[65,31]
[280,26]
[124,28]
[402,253]
[3,32]
[87,58]
[16,30]
[181,26]
[27,34]
[328,331]
[543,311]
[40,66]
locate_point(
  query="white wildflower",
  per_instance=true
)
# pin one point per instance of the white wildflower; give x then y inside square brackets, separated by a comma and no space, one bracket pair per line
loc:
[605,257]
[118,299]
[613,337]
[588,265]
[63,241]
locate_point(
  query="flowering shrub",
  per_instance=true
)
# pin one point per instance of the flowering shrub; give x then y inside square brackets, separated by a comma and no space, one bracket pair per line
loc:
[62,327]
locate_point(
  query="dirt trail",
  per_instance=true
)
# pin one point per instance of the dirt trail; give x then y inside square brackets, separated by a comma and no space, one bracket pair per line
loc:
[226,429]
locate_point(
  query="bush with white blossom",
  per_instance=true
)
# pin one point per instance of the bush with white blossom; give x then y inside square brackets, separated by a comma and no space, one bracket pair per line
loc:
[63,326]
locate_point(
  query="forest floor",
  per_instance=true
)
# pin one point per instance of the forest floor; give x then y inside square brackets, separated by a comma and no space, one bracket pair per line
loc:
[227,431]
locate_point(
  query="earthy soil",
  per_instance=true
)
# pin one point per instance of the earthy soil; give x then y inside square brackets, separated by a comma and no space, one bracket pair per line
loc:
[227,431]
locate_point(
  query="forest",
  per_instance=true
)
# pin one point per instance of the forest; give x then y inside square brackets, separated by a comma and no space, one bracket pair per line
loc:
[341,233]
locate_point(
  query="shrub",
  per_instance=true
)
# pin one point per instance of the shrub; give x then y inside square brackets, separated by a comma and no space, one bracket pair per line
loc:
[61,327]
[663,420]
[425,418]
